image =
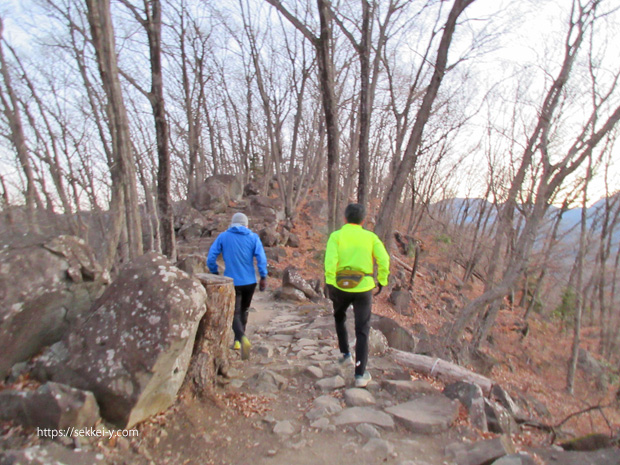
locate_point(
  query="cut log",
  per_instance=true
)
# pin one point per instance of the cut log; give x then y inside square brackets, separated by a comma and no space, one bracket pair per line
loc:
[214,335]
[446,371]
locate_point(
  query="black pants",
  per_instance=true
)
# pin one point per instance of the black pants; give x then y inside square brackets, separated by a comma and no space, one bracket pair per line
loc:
[362,306]
[243,299]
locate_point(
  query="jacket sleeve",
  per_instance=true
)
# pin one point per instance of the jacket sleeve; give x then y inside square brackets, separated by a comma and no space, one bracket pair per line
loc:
[261,258]
[331,259]
[214,252]
[383,261]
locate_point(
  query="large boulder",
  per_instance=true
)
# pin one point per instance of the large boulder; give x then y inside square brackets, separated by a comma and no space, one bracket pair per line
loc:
[289,293]
[269,210]
[314,210]
[269,236]
[51,406]
[481,452]
[216,192]
[499,420]
[292,278]
[377,342]
[134,350]
[193,264]
[46,285]
[401,299]
[397,336]
[472,397]
[592,368]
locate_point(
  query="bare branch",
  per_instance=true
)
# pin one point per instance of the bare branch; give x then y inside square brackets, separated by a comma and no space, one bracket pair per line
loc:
[294,21]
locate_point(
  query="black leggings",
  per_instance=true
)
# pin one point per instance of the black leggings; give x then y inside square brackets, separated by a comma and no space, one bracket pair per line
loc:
[243,299]
[362,306]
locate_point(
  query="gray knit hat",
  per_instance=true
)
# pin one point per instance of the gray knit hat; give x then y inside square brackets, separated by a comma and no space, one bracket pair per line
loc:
[239,219]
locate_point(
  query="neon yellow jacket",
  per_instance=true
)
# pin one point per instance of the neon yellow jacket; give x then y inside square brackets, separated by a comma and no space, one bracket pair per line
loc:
[355,247]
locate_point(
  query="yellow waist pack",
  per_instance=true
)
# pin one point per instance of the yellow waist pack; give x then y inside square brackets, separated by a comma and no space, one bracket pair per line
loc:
[348,278]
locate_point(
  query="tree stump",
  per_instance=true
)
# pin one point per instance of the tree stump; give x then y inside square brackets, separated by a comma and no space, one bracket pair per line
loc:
[214,335]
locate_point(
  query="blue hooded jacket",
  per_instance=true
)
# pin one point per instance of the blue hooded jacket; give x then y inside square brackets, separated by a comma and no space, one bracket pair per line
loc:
[238,245]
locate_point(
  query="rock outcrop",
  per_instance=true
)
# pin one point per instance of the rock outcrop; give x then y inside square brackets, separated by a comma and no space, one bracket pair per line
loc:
[216,192]
[46,285]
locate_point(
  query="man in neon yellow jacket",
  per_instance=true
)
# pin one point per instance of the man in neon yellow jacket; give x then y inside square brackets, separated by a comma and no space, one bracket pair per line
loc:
[355,248]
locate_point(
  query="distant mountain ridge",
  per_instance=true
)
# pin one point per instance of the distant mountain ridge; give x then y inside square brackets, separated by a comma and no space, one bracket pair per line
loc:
[469,209]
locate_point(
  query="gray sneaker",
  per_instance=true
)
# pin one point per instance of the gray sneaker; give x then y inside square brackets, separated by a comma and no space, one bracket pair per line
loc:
[361,381]
[346,359]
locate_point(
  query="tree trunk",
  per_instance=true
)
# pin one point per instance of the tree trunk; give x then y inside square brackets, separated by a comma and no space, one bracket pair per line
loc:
[6,206]
[572,364]
[365,107]
[214,335]
[153,27]
[152,218]
[124,203]
[330,107]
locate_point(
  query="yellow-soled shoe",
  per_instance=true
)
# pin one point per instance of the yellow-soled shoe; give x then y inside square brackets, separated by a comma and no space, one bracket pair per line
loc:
[237,345]
[245,348]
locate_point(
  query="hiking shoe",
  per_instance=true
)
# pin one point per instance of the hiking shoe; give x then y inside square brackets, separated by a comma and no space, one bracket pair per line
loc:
[346,359]
[245,348]
[361,381]
[237,345]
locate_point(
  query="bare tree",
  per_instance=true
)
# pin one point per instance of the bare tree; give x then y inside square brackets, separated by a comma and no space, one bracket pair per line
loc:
[550,178]
[10,106]
[579,272]
[385,218]
[124,200]
[323,45]
[151,22]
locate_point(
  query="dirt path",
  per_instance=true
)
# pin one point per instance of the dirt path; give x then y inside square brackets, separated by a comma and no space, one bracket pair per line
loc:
[294,347]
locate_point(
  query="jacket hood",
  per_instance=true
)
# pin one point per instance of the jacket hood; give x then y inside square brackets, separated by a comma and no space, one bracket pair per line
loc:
[238,229]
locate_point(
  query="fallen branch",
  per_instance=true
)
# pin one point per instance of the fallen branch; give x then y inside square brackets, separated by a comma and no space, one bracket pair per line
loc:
[442,369]
[401,263]
[474,272]
[555,429]
[405,266]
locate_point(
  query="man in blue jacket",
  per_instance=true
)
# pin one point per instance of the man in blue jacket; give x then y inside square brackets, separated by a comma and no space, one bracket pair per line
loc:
[238,245]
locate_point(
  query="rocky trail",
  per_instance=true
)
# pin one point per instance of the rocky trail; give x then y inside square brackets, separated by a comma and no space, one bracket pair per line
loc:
[301,405]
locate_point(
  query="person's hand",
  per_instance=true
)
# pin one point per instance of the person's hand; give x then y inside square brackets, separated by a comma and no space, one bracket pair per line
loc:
[328,291]
[380,289]
[262,284]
